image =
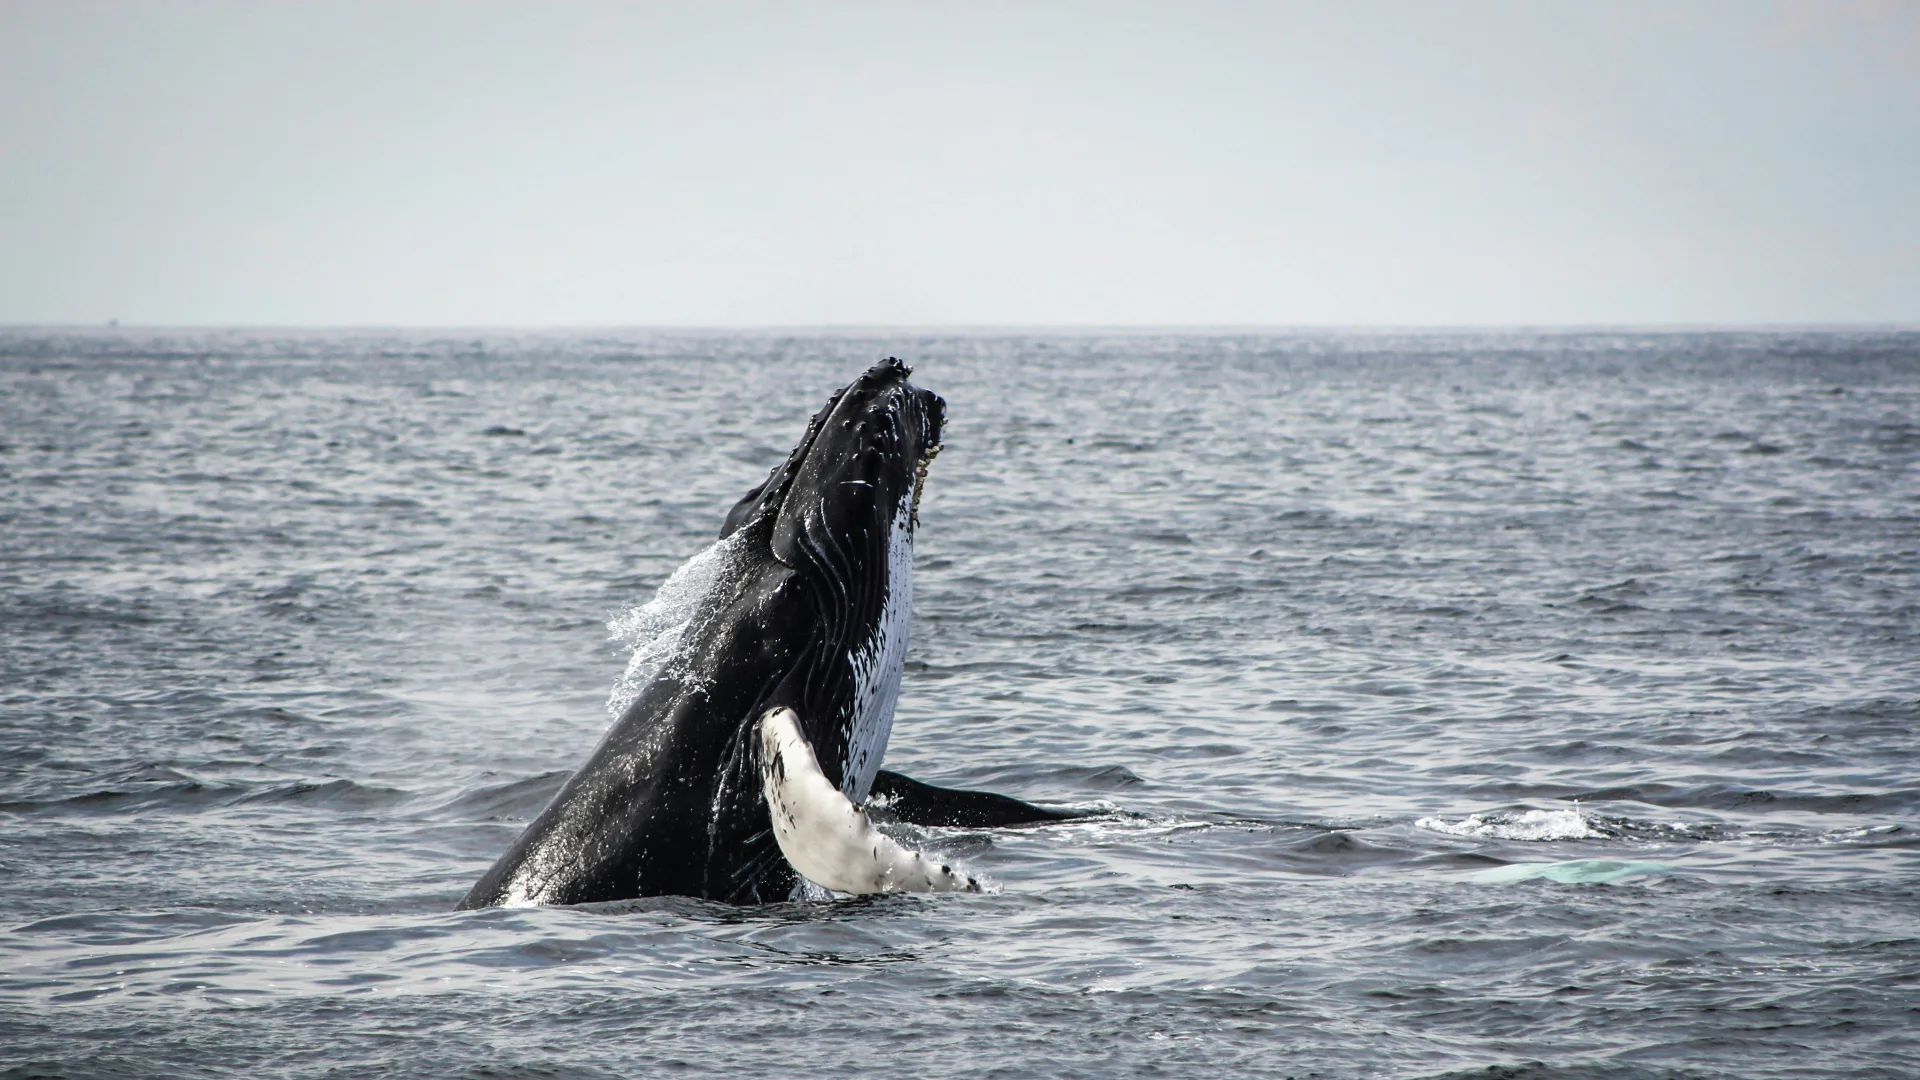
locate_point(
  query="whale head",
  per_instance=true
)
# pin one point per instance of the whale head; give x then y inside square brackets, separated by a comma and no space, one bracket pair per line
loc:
[864,455]
[838,516]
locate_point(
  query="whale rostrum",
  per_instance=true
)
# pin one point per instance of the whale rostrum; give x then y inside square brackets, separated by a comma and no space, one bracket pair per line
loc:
[774,691]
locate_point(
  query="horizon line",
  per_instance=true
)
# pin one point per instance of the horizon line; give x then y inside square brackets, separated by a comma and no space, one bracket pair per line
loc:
[970,328]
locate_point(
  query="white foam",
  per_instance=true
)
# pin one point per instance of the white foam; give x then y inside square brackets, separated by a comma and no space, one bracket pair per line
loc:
[1527,825]
[656,627]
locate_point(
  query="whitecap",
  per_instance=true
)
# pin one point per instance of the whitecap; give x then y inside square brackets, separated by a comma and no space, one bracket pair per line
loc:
[1566,824]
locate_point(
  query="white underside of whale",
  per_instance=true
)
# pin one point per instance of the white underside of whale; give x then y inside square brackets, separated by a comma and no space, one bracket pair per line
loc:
[876,667]
[826,838]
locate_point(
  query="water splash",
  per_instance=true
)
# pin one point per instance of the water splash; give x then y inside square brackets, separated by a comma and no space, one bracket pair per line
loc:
[656,628]
[1525,825]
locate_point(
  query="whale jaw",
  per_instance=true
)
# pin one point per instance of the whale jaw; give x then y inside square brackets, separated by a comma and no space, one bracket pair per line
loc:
[826,838]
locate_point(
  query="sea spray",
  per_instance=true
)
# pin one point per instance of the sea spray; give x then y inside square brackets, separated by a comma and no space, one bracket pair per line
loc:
[655,629]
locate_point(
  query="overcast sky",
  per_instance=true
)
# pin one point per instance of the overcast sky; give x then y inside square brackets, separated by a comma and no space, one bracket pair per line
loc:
[966,164]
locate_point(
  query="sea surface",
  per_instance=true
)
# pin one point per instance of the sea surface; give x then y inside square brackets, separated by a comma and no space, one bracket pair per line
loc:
[1466,704]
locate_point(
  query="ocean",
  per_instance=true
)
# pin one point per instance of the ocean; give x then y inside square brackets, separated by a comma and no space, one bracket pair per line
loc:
[1499,703]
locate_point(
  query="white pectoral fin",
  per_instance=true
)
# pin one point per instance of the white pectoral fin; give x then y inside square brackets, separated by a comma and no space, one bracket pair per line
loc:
[827,838]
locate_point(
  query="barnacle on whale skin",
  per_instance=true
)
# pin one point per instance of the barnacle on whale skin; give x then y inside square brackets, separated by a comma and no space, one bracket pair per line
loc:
[920,482]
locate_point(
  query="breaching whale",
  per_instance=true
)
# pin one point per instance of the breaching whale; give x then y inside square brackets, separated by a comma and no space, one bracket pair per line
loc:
[742,762]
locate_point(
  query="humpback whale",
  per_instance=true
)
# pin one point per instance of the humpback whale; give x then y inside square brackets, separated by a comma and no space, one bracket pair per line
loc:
[741,764]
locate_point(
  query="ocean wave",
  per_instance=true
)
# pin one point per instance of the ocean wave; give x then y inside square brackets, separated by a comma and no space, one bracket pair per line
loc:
[515,800]
[160,788]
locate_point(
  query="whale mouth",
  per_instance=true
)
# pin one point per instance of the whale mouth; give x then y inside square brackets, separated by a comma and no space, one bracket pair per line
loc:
[920,483]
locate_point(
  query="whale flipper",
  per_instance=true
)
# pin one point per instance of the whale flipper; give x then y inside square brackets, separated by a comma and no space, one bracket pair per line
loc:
[915,803]
[827,838]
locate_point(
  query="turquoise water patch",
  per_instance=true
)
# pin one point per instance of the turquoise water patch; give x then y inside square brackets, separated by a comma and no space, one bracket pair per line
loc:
[1572,871]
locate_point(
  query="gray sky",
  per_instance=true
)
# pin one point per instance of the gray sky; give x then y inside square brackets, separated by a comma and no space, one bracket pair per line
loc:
[898,163]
